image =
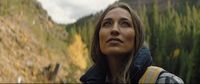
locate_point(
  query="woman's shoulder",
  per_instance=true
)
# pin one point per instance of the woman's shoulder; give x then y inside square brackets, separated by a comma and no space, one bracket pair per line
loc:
[154,74]
[167,77]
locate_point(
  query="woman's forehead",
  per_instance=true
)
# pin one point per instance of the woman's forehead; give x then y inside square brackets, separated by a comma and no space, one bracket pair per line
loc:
[118,13]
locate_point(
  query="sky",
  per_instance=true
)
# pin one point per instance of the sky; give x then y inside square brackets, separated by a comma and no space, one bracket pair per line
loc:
[69,11]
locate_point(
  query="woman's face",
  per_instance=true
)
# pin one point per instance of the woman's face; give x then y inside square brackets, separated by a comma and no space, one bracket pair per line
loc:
[117,34]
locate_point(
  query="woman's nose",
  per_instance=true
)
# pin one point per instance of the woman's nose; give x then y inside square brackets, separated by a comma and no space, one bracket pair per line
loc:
[115,30]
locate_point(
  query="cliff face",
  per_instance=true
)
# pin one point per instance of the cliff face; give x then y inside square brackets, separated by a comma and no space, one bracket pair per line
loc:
[29,42]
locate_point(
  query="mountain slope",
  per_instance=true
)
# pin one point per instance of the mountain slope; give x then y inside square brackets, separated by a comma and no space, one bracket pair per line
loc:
[29,42]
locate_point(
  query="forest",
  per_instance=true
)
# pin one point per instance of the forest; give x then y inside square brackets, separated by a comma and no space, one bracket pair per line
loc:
[35,49]
[172,31]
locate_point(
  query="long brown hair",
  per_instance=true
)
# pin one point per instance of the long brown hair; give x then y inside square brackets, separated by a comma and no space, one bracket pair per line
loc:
[97,56]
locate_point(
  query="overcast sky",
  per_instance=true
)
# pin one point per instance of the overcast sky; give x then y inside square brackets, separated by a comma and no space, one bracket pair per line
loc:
[68,11]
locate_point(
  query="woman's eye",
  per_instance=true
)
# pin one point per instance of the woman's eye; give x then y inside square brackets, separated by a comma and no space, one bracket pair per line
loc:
[107,24]
[125,24]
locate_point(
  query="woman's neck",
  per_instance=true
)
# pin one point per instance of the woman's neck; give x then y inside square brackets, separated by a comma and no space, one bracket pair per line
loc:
[115,65]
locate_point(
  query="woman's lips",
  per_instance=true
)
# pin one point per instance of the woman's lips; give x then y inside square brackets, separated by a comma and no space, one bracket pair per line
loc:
[114,40]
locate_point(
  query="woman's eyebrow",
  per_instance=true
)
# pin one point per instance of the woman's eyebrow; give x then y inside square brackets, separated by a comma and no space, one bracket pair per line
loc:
[107,19]
[125,19]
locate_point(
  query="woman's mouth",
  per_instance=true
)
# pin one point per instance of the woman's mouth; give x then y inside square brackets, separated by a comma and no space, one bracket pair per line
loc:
[114,40]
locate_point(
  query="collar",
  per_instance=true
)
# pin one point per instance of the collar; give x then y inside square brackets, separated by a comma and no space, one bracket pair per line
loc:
[138,66]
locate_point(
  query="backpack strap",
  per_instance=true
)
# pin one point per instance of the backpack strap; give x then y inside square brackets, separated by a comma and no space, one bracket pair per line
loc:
[151,74]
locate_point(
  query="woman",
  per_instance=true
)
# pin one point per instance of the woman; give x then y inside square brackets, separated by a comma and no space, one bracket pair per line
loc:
[118,52]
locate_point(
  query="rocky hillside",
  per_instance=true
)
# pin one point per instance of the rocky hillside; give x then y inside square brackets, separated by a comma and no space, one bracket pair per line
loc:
[31,45]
